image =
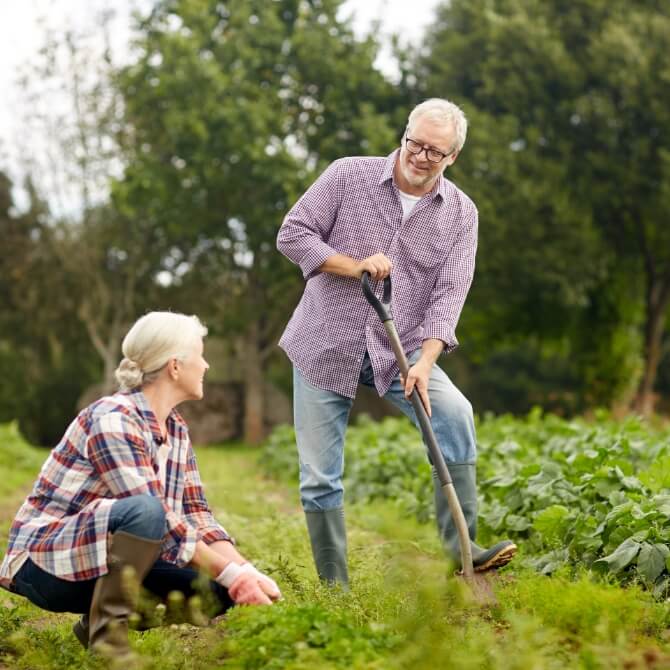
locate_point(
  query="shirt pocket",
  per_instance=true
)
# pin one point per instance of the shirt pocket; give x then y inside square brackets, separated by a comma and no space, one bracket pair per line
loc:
[426,239]
[424,251]
[360,230]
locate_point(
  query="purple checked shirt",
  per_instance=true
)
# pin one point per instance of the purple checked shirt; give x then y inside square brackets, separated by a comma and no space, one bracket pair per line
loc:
[354,209]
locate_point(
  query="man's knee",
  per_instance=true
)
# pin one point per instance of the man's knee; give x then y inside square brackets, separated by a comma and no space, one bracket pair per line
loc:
[464,409]
[454,406]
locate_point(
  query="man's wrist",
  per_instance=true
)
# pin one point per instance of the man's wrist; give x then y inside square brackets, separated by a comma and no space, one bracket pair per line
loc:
[425,362]
[430,351]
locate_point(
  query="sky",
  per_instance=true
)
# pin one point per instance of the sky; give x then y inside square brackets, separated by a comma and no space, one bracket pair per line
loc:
[23,25]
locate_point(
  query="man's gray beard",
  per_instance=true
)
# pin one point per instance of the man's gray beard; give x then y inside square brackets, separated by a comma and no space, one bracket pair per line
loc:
[418,181]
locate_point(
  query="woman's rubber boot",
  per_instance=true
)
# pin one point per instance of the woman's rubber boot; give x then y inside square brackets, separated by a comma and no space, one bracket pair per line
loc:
[464,477]
[129,559]
[81,630]
[328,536]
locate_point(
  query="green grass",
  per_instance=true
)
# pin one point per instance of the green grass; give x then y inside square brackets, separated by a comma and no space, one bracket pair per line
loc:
[402,611]
[19,461]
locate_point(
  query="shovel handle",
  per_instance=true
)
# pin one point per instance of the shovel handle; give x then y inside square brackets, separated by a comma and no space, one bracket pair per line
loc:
[383,309]
[383,306]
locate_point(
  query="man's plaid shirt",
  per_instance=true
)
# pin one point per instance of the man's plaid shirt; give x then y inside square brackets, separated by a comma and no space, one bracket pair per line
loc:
[108,452]
[354,209]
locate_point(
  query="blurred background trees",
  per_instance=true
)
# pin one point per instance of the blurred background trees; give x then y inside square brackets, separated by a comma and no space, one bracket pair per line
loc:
[567,160]
[185,161]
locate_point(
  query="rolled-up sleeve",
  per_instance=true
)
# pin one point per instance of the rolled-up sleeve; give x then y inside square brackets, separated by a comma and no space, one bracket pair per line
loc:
[304,232]
[118,453]
[452,285]
[196,510]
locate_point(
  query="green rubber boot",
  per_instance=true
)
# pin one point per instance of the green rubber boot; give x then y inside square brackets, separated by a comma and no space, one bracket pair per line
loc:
[129,558]
[464,478]
[328,536]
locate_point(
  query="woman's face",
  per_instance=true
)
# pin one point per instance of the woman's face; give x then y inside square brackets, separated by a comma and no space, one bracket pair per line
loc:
[192,372]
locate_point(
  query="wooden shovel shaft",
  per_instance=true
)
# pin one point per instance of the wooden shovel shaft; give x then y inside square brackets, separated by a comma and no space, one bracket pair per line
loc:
[435,455]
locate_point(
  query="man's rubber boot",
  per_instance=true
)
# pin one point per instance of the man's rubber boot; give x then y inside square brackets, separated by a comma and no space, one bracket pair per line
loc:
[464,478]
[328,536]
[129,559]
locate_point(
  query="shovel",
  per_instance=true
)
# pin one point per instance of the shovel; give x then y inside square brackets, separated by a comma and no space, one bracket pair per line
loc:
[478,582]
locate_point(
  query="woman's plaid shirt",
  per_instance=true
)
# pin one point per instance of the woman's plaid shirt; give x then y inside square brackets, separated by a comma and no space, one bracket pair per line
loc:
[108,452]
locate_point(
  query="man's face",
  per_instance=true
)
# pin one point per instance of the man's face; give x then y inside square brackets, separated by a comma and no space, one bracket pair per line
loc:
[417,170]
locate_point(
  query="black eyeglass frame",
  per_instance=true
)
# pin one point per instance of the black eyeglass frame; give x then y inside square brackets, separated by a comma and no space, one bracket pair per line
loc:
[425,147]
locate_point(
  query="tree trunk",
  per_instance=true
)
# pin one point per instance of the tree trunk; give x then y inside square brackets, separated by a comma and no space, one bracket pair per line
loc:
[254,410]
[110,363]
[658,297]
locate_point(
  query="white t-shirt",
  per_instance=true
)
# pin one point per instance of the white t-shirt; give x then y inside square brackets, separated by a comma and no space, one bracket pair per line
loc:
[161,458]
[408,202]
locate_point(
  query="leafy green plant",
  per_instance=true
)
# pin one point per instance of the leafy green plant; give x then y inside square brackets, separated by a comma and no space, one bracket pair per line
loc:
[574,492]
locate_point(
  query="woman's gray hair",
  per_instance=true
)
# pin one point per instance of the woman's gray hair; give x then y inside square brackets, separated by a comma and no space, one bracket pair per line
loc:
[444,112]
[153,340]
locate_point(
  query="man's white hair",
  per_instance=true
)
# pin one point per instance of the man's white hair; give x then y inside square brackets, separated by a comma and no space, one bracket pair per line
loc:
[153,340]
[444,112]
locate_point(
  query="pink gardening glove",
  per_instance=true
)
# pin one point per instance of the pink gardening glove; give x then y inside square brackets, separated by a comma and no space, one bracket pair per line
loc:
[267,584]
[246,590]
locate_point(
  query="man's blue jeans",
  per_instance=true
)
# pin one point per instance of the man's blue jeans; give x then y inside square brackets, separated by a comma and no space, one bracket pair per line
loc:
[138,515]
[321,419]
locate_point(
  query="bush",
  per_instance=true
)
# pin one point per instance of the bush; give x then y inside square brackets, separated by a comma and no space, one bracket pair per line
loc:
[577,493]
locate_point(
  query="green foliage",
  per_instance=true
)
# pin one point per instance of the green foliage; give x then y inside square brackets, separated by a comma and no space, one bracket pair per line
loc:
[19,461]
[583,609]
[235,108]
[282,89]
[301,636]
[400,612]
[570,492]
[565,159]
[45,362]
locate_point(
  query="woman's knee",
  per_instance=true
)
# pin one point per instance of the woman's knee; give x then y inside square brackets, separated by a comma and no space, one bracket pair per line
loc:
[141,515]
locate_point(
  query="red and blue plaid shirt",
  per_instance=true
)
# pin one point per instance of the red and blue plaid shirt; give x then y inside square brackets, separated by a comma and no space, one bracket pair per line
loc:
[354,209]
[108,452]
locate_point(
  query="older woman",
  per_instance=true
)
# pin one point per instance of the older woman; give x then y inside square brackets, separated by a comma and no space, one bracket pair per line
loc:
[122,489]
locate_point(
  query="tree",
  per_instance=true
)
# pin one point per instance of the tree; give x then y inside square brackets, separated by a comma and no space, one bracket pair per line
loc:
[45,362]
[569,163]
[232,108]
[108,260]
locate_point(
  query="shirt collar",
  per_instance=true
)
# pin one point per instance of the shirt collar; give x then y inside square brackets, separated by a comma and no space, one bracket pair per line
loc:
[440,187]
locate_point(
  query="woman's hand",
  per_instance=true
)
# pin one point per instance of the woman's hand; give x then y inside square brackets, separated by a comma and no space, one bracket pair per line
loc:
[246,590]
[248,586]
[267,584]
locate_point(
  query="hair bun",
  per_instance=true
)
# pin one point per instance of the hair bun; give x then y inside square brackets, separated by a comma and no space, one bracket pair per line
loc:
[129,374]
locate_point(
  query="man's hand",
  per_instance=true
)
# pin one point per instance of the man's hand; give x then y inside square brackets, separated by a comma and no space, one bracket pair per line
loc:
[417,377]
[379,267]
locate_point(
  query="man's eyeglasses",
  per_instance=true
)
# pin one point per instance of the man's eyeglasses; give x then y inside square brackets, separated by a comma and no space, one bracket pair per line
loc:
[433,155]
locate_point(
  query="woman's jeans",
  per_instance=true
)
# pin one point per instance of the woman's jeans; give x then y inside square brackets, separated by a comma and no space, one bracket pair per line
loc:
[321,419]
[140,515]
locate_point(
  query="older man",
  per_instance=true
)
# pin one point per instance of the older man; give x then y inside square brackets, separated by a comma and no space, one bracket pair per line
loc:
[400,216]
